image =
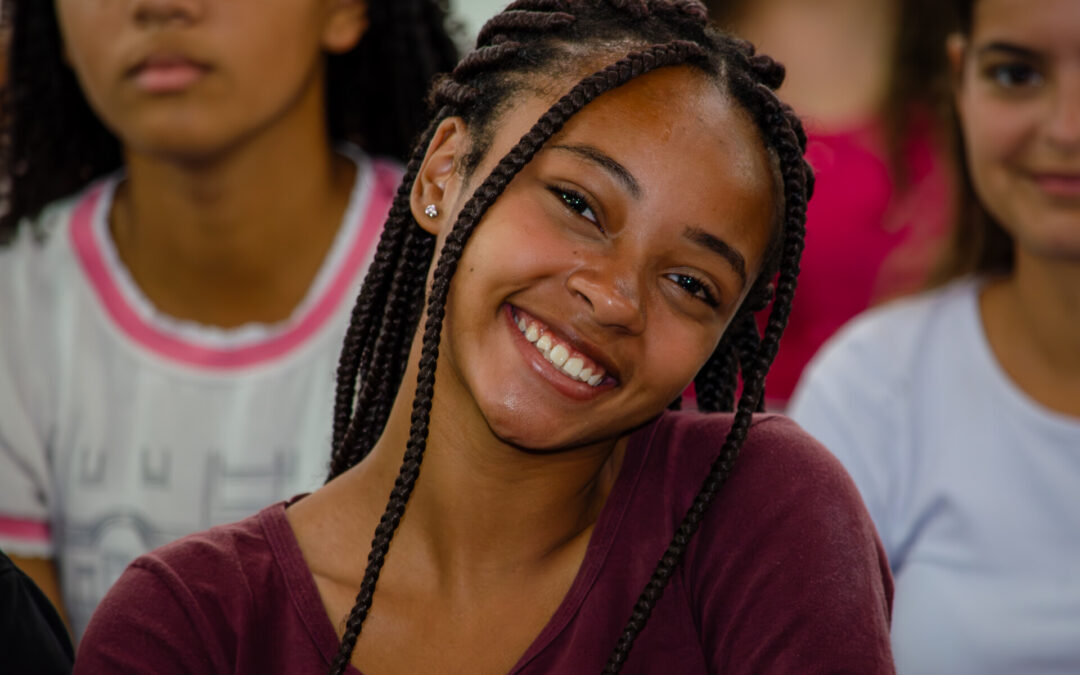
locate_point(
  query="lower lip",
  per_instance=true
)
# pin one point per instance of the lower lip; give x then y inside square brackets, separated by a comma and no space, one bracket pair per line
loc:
[168,79]
[1065,187]
[563,383]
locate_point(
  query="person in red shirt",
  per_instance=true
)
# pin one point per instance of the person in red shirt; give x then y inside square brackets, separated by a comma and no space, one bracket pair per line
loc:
[607,193]
[867,78]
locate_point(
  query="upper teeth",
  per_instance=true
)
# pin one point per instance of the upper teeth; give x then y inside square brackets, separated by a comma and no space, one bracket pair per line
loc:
[561,356]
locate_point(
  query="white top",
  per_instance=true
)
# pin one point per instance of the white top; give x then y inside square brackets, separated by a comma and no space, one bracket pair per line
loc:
[974,487]
[122,429]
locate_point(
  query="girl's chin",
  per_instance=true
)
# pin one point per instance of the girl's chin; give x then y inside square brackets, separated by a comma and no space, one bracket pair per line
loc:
[537,434]
[180,144]
[530,437]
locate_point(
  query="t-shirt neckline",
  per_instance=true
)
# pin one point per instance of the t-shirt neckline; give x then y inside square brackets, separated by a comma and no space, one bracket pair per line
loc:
[1017,399]
[214,348]
[304,593]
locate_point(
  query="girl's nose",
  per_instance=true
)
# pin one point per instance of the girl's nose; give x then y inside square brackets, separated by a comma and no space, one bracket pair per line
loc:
[156,13]
[614,297]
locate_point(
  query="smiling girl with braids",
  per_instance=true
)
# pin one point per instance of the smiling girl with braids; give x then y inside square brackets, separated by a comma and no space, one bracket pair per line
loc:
[602,201]
[189,216]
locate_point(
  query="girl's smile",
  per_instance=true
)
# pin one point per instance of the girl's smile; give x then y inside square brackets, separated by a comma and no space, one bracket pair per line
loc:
[1058,185]
[572,368]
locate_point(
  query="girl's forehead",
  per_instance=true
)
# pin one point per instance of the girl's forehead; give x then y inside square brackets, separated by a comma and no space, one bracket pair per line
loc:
[652,109]
[670,93]
[681,107]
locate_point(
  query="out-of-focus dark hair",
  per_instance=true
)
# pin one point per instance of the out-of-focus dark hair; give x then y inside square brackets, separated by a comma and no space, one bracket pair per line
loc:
[978,244]
[52,143]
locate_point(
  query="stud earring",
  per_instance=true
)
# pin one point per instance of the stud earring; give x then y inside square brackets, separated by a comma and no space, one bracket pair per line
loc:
[431,211]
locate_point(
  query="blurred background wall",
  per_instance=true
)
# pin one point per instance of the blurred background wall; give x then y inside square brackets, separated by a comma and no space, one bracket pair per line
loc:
[473,13]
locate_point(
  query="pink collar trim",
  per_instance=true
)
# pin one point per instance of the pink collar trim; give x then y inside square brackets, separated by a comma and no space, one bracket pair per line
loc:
[184,349]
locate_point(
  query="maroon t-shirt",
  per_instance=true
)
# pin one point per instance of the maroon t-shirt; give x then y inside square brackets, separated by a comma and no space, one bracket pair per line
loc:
[785,575]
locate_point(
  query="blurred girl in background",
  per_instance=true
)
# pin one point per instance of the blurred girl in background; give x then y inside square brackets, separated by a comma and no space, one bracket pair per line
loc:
[958,413]
[191,202]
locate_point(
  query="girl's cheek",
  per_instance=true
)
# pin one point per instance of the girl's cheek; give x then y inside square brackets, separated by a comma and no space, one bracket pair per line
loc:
[1001,128]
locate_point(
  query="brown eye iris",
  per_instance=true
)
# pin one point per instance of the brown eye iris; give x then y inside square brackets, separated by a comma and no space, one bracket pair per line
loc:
[576,203]
[1014,75]
[695,288]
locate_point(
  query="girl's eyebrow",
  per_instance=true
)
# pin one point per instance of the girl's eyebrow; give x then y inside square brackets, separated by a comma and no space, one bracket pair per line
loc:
[720,247]
[596,156]
[695,235]
[1009,49]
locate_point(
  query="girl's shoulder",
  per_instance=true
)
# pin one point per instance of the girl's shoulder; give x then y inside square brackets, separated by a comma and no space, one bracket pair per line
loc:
[44,246]
[195,604]
[894,332]
[773,448]
[784,553]
[217,568]
[42,265]
[55,218]
[782,484]
[883,359]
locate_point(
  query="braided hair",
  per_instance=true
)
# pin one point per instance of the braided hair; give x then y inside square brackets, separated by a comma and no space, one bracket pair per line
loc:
[52,143]
[542,37]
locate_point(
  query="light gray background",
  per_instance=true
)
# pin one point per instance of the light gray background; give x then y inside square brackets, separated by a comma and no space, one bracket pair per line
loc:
[473,13]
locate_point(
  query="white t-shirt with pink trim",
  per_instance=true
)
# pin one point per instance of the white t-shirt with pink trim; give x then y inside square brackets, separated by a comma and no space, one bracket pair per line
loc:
[122,429]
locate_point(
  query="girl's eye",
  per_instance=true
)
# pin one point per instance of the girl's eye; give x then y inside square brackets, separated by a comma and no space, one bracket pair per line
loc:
[576,203]
[695,287]
[1014,75]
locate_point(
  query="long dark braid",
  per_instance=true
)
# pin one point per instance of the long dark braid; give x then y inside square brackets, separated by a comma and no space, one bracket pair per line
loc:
[784,133]
[519,42]
[52,143]
[391,259]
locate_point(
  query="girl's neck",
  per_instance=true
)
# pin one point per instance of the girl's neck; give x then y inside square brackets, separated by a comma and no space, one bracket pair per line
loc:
[1032,321]
[237,238]
[483,508]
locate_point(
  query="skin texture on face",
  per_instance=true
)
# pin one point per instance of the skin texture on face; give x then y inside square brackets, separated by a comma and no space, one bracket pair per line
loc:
[191,78]
[632,237]
[1018,97]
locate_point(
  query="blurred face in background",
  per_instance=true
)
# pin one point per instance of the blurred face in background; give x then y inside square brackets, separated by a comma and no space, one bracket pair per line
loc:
[1018,98]
[191,79]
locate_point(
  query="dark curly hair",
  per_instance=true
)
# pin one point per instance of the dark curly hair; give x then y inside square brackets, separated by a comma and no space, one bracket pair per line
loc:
[52,143]
[543,37]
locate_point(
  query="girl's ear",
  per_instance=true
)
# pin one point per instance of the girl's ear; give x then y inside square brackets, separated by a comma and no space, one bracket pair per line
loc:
[346,23]
[956,46]
[438,182]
